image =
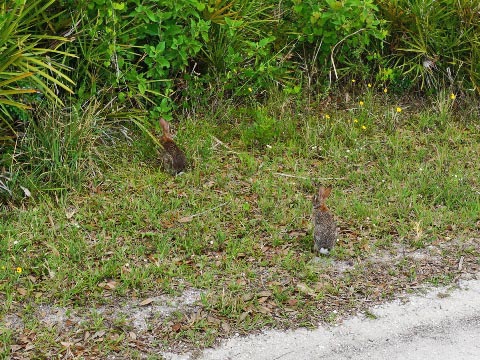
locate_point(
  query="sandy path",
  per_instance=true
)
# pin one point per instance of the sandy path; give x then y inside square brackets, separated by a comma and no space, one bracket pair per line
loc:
[441,324]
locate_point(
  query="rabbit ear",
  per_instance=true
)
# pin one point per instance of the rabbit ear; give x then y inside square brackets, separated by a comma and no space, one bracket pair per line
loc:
[164,124]
[166,127]
[323,192]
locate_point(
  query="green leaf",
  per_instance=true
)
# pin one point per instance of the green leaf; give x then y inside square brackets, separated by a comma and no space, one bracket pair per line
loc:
[118,6]
[164,63]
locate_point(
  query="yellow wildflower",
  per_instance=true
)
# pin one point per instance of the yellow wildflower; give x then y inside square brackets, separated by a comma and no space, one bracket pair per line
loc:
[353,80]
[399,109]
[327,116]
[364,127]
[18,270]
[369,85]
[452,96]
[250,89]
[361,103]
[385,90]
[355,120]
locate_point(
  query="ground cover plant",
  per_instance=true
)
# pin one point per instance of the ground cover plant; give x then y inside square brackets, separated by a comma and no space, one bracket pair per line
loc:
[234,231]
[103,253]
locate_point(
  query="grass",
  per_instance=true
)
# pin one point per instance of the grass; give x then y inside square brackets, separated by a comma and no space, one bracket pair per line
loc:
[237,227]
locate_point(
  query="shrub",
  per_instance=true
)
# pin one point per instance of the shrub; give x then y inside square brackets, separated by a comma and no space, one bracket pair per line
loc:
[338,35]
[135,50]
[433,44]
[27,60]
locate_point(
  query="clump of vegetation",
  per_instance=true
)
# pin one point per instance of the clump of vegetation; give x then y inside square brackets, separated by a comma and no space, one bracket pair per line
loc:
[236,228]
[268,100]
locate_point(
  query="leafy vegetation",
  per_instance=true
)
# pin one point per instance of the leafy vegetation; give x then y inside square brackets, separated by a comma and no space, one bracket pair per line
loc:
[26,64]
[268,100]
[436,44]
[236,229]
[162,56]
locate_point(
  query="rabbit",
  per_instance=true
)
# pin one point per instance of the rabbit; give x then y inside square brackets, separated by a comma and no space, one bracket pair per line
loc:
[173,158]
[325,228]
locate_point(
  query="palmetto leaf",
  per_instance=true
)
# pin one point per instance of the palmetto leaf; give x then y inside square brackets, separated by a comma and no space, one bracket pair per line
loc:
[14,78]
[25,65]
[5,94]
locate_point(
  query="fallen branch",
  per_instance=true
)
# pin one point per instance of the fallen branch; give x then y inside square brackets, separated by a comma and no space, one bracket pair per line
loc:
[338,43]
[219,142]
[189,218]
[305,178]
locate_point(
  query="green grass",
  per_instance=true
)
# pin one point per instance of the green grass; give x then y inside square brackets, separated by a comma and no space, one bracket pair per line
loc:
[237,225]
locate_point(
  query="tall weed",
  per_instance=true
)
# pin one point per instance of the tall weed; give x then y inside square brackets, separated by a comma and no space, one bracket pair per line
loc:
[58,149]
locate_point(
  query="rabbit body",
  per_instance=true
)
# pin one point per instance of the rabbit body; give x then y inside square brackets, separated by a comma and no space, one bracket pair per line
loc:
[173,157]
[325,228]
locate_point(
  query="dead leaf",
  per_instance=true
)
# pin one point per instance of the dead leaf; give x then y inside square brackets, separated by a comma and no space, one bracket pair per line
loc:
[243,316]
[262,300]
[70,211]
[146,302]
[306,289]
[225,327]
[185,219]
[176,327]
[99,334]
[50,218]
[132,335]
[292,302]
[297,233]
[111,285]
[26,191]
[247,297]
[264,310]
[22,291]
[265,293]
[66,344]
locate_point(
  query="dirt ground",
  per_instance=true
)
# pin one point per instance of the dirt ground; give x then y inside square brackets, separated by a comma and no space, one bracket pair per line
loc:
[443,323]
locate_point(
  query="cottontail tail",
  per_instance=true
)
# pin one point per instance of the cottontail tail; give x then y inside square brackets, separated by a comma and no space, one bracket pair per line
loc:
[173,157]
[325,229]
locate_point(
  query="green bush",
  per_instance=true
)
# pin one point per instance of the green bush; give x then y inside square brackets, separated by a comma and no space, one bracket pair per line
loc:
[433,44]
[338,35]
[240,57]
[135,50]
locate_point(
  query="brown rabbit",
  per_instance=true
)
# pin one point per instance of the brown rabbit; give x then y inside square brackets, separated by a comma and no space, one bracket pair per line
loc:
[325,228]
[173,158]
